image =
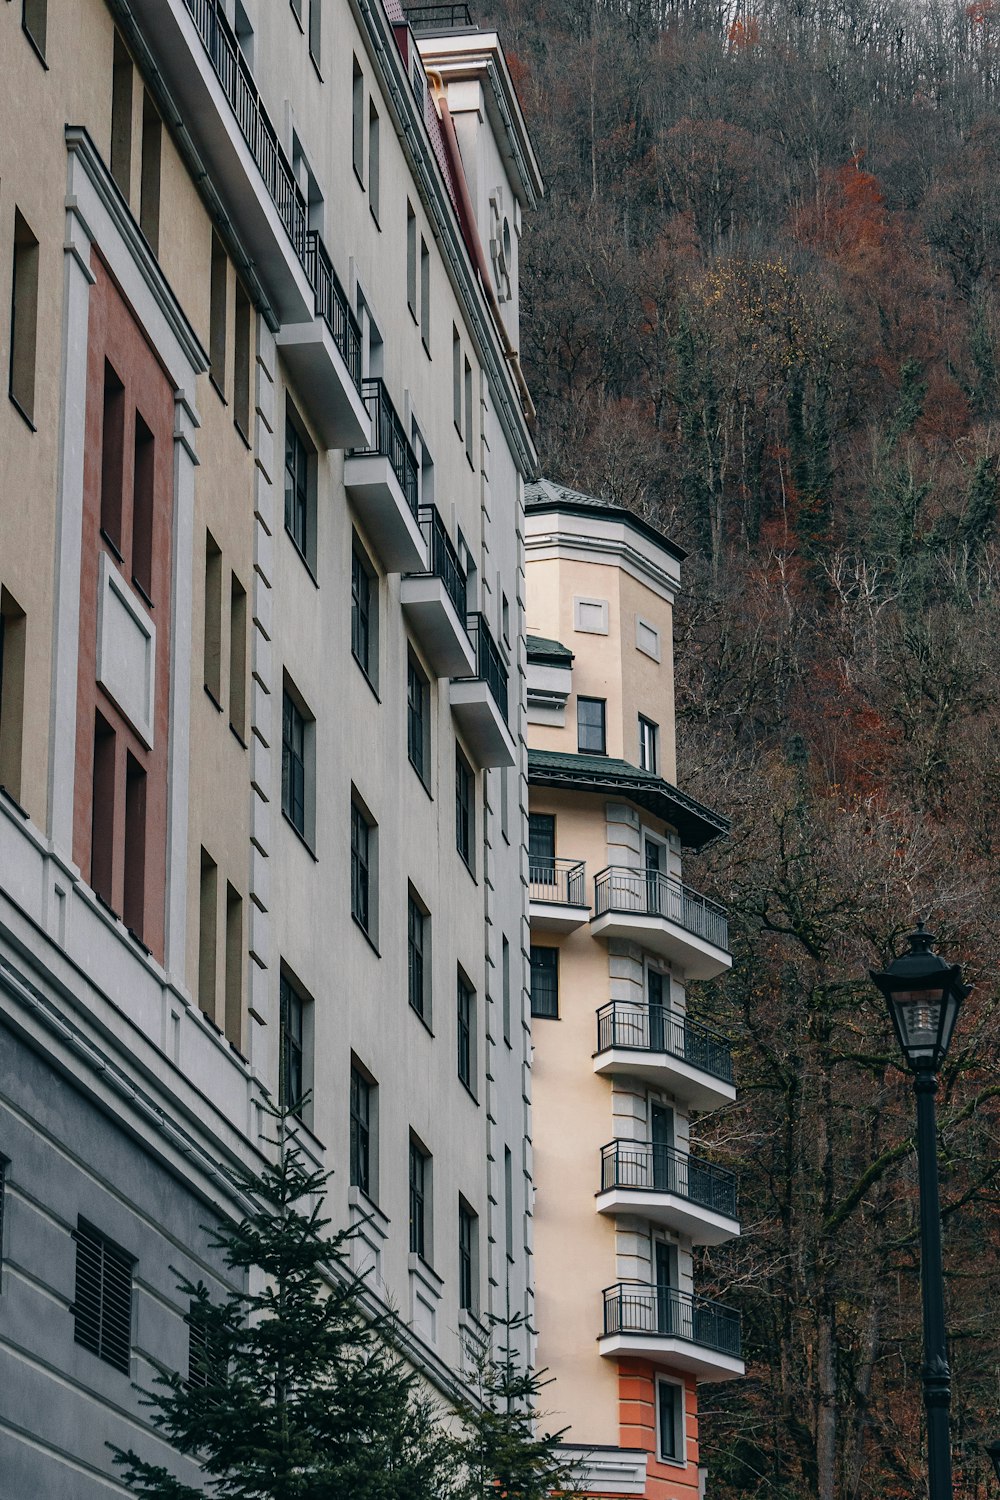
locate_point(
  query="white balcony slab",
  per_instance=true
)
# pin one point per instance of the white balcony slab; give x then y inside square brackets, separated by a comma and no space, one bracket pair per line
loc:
[556,916]
[377,497]
[483,726]
[693,955]
[437,626]
[339,415]
[692,1086]
[674,1353]
[703,1226]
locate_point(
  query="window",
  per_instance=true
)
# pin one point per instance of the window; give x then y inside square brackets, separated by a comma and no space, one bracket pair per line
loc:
[121,116]
[545,982]
[143,475]
[13,636]
[464,807]
[506,989]
[315,26]
[649,744]
[102,1302]
[200,1371]
[373,160]
[4,1164]
[291,1074]
[468,1279]
[237,657]
[134,902]
[293,763]
[456,379]
[420,1172]
[466,1032]
[112,459]
[669,1421]
[213,619]
[590,727]
[242,361]
[358,121]
[149,176]
[208,917]
[299,490]
[362,872]
[217,315]
[234,966]
[34,19]
[417,923]
[364,614]
[102,828]
[411,261]
[542,848]
[362,1110]
[505,618]
[508,1198]
[425,295]
[23,318]
[418,725]
[297,11]
[468,411]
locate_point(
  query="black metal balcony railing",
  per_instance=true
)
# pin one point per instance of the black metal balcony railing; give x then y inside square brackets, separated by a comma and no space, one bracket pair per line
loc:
[443,560]
[653,1028]
[489,663]
[389,439]
[665,1312]
[439,15]
[559,881]
[644,1167]
[233,73]
[651,892]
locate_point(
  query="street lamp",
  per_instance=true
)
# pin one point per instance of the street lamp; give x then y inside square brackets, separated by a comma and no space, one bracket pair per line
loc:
[924,995]
[993,1450]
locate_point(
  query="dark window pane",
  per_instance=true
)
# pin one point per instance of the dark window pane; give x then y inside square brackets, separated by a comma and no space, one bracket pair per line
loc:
[668,1403]
[463,809]
[290,1046]
[416,704]
[361,613]
[545,982]
[591,739]
[415,920]
[360,1132]
[293,764]
[102,1304]
[466,1253]
[465,1002]
[296,489]
[418,1205]
[360,869]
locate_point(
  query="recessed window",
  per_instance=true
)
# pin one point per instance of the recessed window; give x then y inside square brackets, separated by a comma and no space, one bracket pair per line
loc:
[212,649]
[358,121]
[649,745]
[456,379]
[315,27]
[102,1301]
[121,116]
[591,733]
[4,1164]
[291,1046]
[237,657]
[425,295]
[149,175]
[243,356]
[102,822]
[545,983]
[373,160]
[466,1032]
[420,1208]
[23,317]
[363,849]
[670,1421]
[202,1366]
[465,786]
[143,500]
[112,459]
[134,899]
[363,1101]
[300,510]
[364,614]
[508,1197]
[468,1256]
[293,763]
[233,1020]
[506,989]
[218,313]
[13,637]
[411,261]
[208,922]
[418,720]
[417,935]
[541,848]
[34,19]
[468,411]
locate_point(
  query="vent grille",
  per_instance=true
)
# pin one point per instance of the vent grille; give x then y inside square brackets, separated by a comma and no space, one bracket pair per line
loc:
[103,1306]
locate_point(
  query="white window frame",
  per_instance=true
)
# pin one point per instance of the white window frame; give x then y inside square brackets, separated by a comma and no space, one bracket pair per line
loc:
[681,1461]
[580,602]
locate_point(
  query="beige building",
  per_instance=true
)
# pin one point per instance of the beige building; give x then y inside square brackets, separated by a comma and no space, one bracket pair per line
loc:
[262,676]
[619,1064]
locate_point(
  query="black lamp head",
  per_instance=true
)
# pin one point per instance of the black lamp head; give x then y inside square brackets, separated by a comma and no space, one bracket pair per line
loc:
[923,994]
[993,1453]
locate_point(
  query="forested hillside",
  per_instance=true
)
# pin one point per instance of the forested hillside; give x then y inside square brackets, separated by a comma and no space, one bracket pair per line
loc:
[762,303]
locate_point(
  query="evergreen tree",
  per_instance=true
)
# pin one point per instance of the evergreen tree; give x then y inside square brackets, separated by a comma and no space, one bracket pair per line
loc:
[294,1391]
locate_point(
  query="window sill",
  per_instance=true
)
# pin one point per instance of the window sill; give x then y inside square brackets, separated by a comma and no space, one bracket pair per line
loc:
[366,934]
[361,180]
[422,1019]
[374,215]
[468,1089]
[217,388]
[537,1016]
[297,16]
[242,435]
[472,873]
[237,736]
[301,838]
[315,62]
[302,557]
[420,777]
[17,405]
[212,698]
[361,668]
[112,546]
[427,347]
[142,593]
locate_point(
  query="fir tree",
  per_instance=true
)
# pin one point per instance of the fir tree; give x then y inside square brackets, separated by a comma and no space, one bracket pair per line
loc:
[294,1391]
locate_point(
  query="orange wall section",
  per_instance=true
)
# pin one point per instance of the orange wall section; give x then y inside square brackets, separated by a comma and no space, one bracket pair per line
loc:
[637,1418]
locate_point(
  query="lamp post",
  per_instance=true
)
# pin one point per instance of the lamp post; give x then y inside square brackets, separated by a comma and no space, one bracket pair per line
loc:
[924,994]
[993,1452]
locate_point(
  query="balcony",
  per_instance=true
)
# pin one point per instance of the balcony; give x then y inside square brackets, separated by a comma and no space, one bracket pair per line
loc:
[669,1187]
[439,15]
[661,1323]
[324,355]
[667,1049]
[434,602]
[479,704]
[381,480]
[648,907]
[557,894]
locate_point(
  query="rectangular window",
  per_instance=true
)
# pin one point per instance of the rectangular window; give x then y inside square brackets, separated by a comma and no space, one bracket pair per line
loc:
[364,606]
[102,1302]
[112,459]
[669,1421]
[242,361]
[217,313]
[425,295]
[466,1032]
[23,317]
[468,1279]
[200,1362]
[298,485]
[358,121]
[34,19]
[149,176]
[545,982]
[208,947]
[464,807]
[134,901]
[418,720]
[4,1164]
[297,11]
[417,923]
[237,657]
[649,737]
[373,160]
[143,479]
[541,848]
[315,28]
[419,1200]
[293,763]
[361,868]
[234,967]
[213,619]
[13,639]
[468,411]
[102,824]
[456,379]
[591,737]
[121,116]
[411,261]
[508,1198]
[362,1091]
[291,1073]
[506,990]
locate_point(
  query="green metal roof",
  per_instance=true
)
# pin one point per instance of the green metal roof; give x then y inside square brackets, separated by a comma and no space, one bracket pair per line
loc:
[550,653]
[697,825]
[546,495]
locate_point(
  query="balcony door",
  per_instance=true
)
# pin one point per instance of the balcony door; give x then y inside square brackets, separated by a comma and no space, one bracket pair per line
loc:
[665,1279]
[654,869]
[542,850]
[656,983]
[661,1135]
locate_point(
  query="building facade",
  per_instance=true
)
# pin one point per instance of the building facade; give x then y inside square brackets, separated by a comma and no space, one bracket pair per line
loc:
[263,796]
[619,1064]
